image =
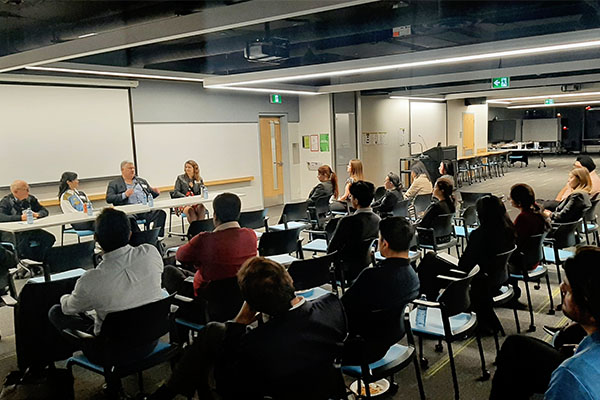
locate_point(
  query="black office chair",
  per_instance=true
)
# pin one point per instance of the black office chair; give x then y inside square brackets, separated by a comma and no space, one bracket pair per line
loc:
[401,209]
[379,193]
[146,237]
[470,198]
[319,213]
[223,299]
[378,351]
[558,240]
[531,253]
[253,219]
[449,319]
[294,212]
[319,239]
[465,224]
[420,204]
[310,274]
[203,225]
[71,256]
[280,242]
[440,236]
[352,260]
[128,343]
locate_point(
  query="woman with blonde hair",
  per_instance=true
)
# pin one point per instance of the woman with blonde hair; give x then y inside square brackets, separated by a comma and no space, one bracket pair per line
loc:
[190,183]
[578,202]
[355,170]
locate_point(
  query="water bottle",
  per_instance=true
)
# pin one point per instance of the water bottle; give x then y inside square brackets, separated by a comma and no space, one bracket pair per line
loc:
[421,313]
[90,210]
[204,192]
[29,215]
[150,200]
[144,199]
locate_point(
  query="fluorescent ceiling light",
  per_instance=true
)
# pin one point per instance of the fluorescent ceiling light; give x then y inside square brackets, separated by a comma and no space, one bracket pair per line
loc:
[548,96]
[441,61]
[261,90]
[418,98]
[111,73]
[574,103]
[497,102]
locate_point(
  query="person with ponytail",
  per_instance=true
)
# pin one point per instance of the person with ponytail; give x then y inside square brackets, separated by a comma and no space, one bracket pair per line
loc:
[73,200]
[393,195]
[327,186]
[530,220]
[443,203]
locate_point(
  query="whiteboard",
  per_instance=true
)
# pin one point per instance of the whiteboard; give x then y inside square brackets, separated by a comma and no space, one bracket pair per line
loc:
[541,130]
[223,151]
[427,125]
[46,130]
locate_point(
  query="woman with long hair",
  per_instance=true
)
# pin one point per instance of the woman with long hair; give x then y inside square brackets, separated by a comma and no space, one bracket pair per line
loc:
[578,202]
[355,172]
[421,183]
[443,203]
[73,200]
[327,185]
[190,183]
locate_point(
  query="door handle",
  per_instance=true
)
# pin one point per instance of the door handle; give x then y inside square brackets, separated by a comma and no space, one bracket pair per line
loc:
[279,163]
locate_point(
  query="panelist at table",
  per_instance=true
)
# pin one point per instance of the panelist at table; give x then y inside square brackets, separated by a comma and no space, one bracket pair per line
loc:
[131,189]
[31,244]
[190,183]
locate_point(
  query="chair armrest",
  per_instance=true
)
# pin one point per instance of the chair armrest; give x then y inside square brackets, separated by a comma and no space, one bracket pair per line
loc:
[9,300]
[79,335]
[8,245]
[183,299]
[458,272]
[421,229]
[448,278]
[426,303]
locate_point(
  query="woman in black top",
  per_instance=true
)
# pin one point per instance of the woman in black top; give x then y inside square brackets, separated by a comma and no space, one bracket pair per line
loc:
[393,194]
[578,202]
[327,186]
[190,183]
[443,203]
[495,235]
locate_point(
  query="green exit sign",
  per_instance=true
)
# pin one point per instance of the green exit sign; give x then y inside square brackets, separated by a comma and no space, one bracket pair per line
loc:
[549,101]
[501,83]
[276,99]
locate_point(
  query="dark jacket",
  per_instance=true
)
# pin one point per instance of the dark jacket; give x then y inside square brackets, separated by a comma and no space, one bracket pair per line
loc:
[116,188]
[572,208]
[287,356]
[323,189]
[386,204]
[484,244]
[182,186]
[435,209]
[11,209]
[353,229]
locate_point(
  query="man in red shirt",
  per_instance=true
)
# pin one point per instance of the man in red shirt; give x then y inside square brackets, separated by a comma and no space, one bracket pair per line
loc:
[217,256]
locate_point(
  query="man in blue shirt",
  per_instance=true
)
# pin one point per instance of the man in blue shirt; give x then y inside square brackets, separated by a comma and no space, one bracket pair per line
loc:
[527,365]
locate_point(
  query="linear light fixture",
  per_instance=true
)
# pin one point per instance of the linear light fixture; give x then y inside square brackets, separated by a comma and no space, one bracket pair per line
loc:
[440,61]
[87,35]
[112,73]
[574,103]
[548,96]
[497,102]
[417,98]
[264,90]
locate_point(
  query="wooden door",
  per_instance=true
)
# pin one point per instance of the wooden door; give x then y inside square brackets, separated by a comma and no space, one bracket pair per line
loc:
[468,130]
[271,160]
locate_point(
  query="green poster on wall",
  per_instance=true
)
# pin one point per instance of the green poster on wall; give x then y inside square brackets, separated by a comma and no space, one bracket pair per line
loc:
[324,141]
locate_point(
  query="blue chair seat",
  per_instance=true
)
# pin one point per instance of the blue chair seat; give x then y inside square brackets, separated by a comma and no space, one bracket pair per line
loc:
[79,233]
[313,293]
[534,274]
[591,226]
[459,324]
[506,293]
[188,324]
[460,231]
[562,255]
[291,225]
[317,245]
[283,259]
[396,355]
[162,348]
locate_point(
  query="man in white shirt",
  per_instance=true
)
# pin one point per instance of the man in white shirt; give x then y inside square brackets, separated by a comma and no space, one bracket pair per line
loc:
[127,277]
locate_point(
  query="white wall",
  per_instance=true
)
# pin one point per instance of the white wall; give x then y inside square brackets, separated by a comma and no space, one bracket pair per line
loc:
[382,114]
[427,124]
[456,108]
[315,118]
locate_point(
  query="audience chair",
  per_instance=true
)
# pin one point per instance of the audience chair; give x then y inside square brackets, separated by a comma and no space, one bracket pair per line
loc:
[531,253]
[253,219]
[465,224]
[310,274]
[319,213]
[352,260]
[448,319]
[379,193]
[128,343]
[294,215]
[558,240]
[401,209]
[203,225]
[72,231]
[320,239]
[413,256]
[590,222]
[146,237]
[442,228]
[71,256]
[277,245]
[388,326]
[470,198]
[420,204]
[463,174]
[223,299]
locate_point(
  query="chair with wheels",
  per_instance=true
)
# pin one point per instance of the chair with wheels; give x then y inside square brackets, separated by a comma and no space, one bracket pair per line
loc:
[310,274]
[277,245]
[440,236]
[530,254]
[378,352]
[128,343]
[449,319]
